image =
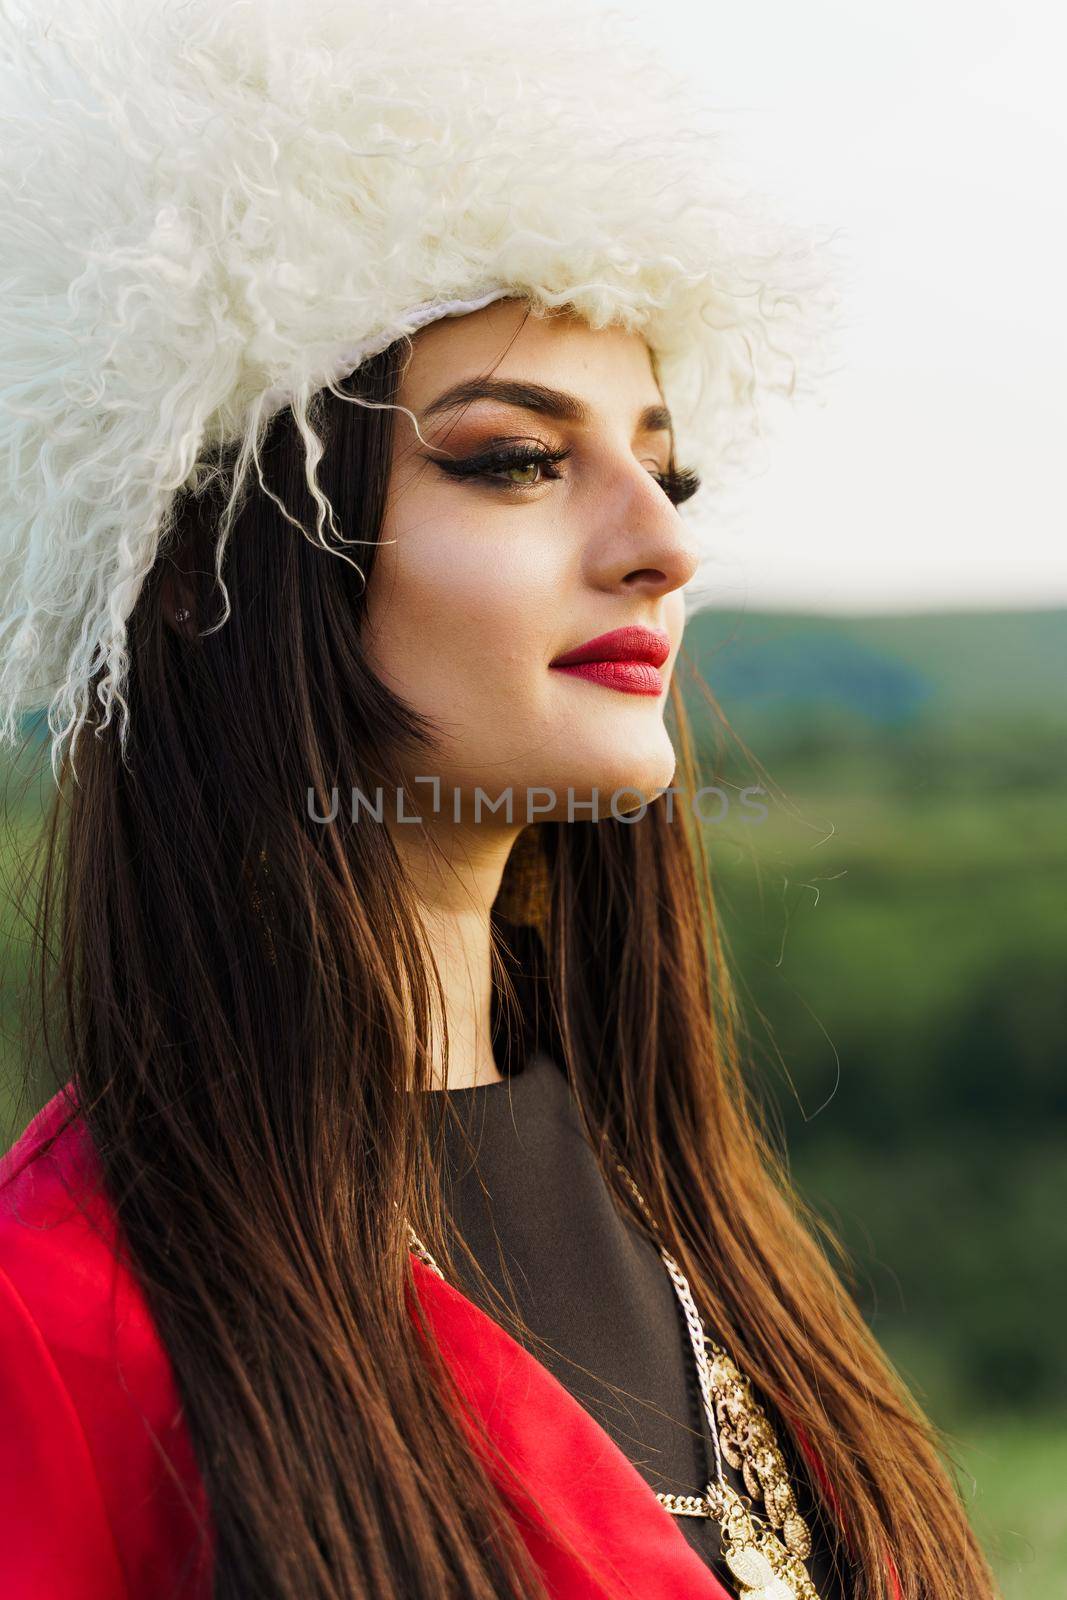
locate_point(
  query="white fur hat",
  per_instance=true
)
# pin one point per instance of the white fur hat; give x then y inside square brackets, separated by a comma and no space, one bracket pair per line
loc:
[210,208]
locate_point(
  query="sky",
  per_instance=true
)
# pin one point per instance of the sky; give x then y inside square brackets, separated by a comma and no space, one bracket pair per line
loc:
[933,137]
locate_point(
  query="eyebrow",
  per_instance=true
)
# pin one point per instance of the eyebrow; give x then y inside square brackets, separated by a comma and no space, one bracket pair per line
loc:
[555,403]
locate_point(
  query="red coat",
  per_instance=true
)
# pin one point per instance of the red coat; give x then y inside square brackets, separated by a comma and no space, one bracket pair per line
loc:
[100,1496]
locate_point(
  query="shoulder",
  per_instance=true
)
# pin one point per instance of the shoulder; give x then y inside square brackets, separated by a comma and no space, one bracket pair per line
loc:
[99,1493]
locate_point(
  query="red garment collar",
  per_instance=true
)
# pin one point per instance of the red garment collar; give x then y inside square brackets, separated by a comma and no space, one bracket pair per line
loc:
[581,1485]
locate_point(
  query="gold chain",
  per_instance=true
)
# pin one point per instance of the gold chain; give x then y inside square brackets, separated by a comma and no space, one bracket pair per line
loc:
[766,1566]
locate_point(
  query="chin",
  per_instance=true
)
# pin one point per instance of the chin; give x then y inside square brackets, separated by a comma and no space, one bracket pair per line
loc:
[628,776]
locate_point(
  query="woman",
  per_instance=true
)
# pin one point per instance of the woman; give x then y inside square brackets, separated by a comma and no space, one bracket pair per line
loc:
[475,327]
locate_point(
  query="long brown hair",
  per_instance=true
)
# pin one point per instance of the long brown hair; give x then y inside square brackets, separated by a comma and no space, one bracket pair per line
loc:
[244,1005]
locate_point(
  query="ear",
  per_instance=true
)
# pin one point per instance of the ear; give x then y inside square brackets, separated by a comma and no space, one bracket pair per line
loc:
[178,601]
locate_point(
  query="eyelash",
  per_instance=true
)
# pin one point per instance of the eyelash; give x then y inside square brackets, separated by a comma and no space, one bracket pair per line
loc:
[679,485]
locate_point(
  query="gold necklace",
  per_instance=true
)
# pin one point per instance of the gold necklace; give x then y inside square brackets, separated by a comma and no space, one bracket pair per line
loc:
[766,1566]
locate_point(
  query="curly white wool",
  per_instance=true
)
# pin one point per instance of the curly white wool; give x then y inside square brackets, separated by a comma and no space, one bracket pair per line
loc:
[207,206]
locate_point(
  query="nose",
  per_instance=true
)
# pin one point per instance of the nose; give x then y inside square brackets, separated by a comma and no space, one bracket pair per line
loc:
[640,543]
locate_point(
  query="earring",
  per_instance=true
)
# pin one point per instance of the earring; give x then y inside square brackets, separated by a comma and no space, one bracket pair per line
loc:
[524,896]
[182,615]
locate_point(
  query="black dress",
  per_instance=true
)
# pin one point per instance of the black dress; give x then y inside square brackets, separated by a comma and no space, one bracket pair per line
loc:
[593,1285]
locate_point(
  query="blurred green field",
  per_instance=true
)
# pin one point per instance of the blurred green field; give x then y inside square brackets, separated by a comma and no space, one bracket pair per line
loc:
[898,930]
[1019,1503]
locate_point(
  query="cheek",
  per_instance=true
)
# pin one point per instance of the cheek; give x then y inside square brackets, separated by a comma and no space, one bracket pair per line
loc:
[460,619]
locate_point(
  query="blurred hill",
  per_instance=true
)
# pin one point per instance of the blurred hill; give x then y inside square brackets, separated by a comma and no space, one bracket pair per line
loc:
[899,690]
[898,926]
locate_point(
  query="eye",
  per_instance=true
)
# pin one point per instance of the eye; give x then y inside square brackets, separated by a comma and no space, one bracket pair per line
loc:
[678,484]
[510,467]
[520,466]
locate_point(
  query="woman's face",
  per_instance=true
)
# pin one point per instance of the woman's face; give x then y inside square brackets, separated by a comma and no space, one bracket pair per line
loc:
[483,581]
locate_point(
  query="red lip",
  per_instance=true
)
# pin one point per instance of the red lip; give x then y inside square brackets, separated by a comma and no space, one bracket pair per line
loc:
[622,644]
[627,658]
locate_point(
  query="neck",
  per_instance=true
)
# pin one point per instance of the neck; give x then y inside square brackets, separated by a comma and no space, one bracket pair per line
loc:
[456,873]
